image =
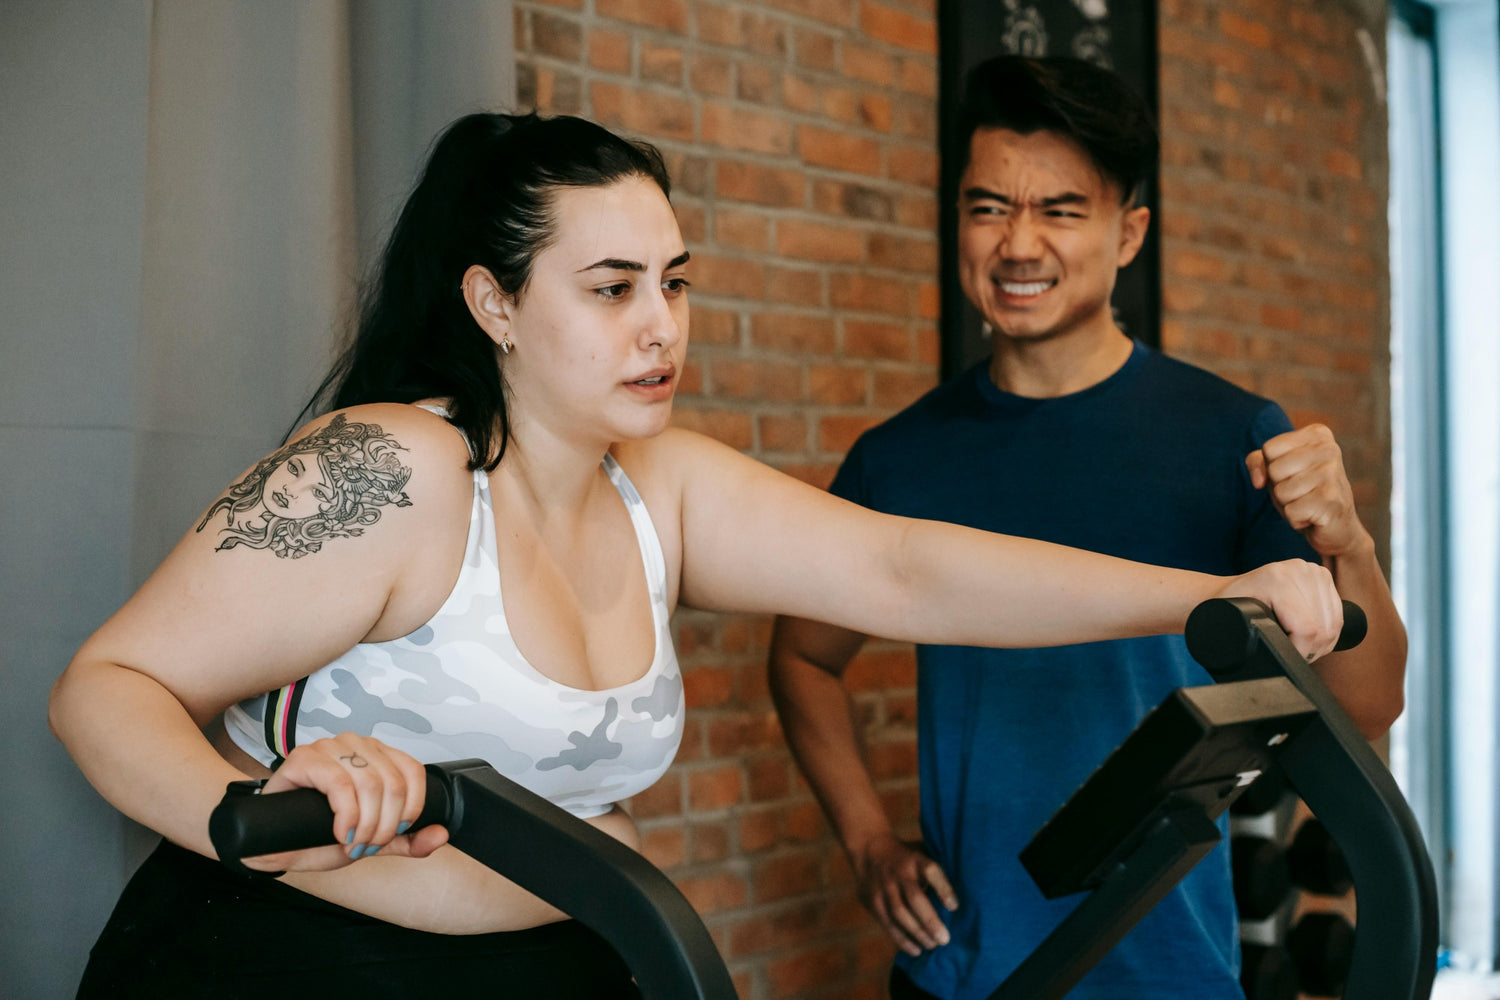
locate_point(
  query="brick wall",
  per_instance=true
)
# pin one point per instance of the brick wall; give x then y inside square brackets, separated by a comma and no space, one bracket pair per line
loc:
[802,140]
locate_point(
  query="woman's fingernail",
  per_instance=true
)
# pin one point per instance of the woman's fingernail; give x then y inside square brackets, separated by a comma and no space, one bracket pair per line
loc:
[371,852]
[349,837]
[357,853]
[403,826]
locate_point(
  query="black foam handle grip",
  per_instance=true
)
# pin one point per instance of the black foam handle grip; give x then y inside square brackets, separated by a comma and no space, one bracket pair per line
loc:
[247,826]
[1221,634]
[1355,627]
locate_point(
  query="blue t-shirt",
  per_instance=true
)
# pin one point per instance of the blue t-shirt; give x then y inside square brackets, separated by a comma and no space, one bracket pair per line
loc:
[1147,465]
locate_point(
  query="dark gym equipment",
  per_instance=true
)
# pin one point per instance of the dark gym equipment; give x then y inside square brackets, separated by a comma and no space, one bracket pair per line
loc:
[1322,945]
[1261,880]
[543,848]
[1267,972]
[1315,862]
[1129,834]
[1144,818]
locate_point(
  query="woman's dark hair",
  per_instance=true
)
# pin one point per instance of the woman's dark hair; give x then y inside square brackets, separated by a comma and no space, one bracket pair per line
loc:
[485,197]
[1088,104]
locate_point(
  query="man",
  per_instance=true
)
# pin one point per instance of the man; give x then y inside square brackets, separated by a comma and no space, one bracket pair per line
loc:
[1072,433]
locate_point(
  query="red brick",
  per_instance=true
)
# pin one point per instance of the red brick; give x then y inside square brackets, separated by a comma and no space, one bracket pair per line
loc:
[856,201]
[662,799]
[652,112]
[710,75]
[786,874]
[661,63]
[868,64]
[868,339]
[752,131]
[712,893]
[815,49]
[714,326]
[836,12]
[659,15]
[557,37]
[838,149]
[898,27]
[710,842]
[757,83]
[919,77]
[837,385]
[913,165]
[794,286]
[759,828]
[609,50]
[664,846]
[837,433]
[742,230]
[756,380]
[1244,30]
[823,963]
[903,253]
[819,241]
[768,778]
[708,687]
[761,185]
[778,433]
[715,788]
[862,292]
[895,390]
[726,426]
[733,277]
[793,332]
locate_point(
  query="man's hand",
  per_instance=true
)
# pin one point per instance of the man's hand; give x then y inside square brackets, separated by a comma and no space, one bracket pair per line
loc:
[893,883]
[1304,470]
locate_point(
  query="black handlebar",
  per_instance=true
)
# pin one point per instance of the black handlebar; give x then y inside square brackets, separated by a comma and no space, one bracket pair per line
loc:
[584,872]
[1221,637]
[247,826]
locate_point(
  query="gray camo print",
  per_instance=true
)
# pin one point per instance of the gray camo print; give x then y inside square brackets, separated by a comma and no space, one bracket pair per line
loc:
[458,687]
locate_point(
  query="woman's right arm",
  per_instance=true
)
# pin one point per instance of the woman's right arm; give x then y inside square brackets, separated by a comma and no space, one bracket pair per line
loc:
[233,612]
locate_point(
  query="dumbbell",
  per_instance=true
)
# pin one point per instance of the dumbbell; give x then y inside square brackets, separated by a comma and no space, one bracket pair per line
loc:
[1261,880]
[1315,861]
[1267,972]
[1322,945]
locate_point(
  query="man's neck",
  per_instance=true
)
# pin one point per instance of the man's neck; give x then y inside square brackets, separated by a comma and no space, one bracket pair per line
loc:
[1057,366]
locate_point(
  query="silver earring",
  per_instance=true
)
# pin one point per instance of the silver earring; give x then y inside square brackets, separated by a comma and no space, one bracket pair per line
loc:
[505,345]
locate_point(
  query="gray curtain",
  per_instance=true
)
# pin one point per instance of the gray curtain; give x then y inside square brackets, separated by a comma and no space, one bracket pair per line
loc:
[189,192]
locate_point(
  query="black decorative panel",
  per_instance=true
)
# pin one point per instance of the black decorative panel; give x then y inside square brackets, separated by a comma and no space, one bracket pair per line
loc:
[1120,34]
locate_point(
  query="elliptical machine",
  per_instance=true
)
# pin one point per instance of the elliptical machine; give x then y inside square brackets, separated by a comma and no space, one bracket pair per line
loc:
[1127,835]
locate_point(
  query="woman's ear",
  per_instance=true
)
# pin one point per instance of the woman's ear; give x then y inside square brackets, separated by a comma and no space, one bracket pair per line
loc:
[488,303]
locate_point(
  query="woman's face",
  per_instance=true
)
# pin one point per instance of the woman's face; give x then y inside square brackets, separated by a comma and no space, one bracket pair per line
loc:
[600,330]
[297,488]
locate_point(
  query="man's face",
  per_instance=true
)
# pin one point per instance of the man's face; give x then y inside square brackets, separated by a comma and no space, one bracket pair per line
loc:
[1041,236]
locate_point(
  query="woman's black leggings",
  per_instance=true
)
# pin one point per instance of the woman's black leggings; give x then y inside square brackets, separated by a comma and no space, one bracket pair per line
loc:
[186,927]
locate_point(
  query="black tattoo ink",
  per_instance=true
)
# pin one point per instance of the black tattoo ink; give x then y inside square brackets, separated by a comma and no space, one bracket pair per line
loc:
[329,484]
[355,760]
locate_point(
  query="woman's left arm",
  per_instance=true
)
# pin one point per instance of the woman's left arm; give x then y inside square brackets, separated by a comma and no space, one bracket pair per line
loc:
[756,540]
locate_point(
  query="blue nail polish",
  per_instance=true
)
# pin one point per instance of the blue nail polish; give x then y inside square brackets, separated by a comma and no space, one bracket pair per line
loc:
[371,852]
[403,826]
[357,853]
[349,837]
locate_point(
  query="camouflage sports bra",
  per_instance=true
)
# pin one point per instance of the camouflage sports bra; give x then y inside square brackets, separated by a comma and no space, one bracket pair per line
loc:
[458,687]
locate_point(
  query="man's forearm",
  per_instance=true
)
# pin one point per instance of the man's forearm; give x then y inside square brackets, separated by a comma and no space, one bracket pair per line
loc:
[1369,680]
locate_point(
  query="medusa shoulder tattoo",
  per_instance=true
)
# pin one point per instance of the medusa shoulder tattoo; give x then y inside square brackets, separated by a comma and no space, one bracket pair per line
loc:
[329,484]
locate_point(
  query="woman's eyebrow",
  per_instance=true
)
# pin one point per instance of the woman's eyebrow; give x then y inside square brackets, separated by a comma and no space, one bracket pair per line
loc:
[620,264]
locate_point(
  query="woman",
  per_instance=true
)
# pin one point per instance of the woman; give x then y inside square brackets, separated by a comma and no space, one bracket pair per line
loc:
[489,573]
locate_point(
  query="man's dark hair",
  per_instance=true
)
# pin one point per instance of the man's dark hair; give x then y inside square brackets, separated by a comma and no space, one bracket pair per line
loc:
[1092,106]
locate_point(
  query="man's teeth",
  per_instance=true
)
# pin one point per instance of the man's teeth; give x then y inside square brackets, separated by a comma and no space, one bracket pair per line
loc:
[653,380]
[1024,287]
